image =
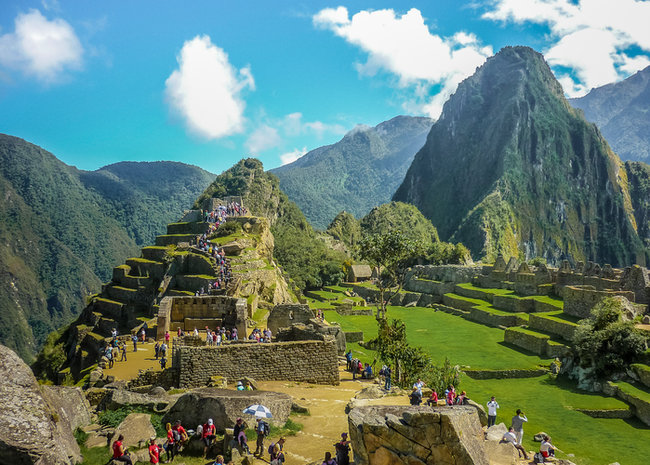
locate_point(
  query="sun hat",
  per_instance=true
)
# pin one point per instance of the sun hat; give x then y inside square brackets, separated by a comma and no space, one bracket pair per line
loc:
[210,421]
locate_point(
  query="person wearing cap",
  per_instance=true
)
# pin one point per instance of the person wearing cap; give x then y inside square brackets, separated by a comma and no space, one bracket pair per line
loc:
[208,435]
[260,429]
[277,456]
[343,450]
[240,386]
[154,451]
[239,425]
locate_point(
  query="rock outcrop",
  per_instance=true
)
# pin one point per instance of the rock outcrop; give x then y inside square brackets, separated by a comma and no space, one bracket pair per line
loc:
[224,406]
[136,428]
[33,429]
[396,435]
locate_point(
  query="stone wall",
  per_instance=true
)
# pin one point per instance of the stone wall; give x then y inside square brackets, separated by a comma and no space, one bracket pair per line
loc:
[579,300]
[305,361]
[201,311]
[285,315]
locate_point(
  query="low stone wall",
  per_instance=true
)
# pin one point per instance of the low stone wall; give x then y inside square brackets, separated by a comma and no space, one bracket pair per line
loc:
[426,286]
[353,336]
[623,413]
[579,300]
[493,319]
[564,329]
[305,361]
[519,337]
[446,273]
[348,310]
[513,303]
[504,374]
[285,315]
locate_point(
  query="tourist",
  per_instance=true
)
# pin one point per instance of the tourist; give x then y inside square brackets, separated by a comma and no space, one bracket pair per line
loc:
[119,452]
[367,372]
[134,338]
[450,395]
[355,367]
[419,384]
[348,359]
[163,363]
[432,401]
[169,445]
[248,386]
[240,386]
[114,333]
[518,424]
[243,442]
[462,398]
[239,425]
[387,375]
[415,396]
[492,405]
[277,452]
[180,435]
[233,335]
[143,333]
[154,451]
[123,359]
[511,437]
[343,450]
[328,459]
[163,350]
[546,448]
[196,332]
[167,336]
[218,460]
[109,356]
[209,433]
[262,430]
[156,350]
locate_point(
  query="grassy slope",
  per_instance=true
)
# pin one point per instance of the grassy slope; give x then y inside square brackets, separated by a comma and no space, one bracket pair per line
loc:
[550,405]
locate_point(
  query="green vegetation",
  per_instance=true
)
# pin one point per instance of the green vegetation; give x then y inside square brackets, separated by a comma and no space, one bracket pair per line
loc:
[301,253]
[607,343]
[64,229]
[228,228]
[508,176]
[113,418]
[357,173]
[391,252]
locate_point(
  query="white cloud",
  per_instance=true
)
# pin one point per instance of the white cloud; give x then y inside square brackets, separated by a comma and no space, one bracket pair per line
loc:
[293,125]
[292,156]
[404,46]
[592,38]
[41,48]
[206,89]
[263,138]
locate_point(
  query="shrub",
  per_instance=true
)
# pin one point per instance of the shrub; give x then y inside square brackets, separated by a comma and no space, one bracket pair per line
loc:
[228,228]
[607,343]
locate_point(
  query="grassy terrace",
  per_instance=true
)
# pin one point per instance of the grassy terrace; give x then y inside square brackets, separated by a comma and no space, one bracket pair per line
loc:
[507,292]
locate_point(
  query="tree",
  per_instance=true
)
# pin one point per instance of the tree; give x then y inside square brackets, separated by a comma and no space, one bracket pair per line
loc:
[391,252]
[607,343]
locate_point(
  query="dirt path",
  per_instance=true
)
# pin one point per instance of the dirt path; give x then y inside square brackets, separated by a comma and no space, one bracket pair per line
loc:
[143,359]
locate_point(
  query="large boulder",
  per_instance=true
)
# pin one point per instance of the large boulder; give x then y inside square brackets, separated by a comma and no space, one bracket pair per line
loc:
[224,406]
[117,398]
[136,428]
[70,403]
[397,435]
[29,425]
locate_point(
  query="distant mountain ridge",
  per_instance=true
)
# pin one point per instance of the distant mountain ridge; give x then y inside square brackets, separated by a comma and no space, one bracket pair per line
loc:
[510,167]
[359,172]
[622,112]
[62,230]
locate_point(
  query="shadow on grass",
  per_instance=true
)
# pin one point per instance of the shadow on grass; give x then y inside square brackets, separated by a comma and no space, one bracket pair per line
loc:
[522,351]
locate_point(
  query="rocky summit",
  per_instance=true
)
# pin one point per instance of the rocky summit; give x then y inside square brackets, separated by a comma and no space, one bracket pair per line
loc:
[510,167]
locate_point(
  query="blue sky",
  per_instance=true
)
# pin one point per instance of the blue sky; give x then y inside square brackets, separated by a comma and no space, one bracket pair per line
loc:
[209,82]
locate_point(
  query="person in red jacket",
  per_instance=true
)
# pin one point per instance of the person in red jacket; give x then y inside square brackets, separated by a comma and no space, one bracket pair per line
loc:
[154,452]
[209,433]
[119,453]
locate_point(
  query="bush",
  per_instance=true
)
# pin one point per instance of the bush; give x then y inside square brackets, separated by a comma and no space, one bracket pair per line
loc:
[228,228]
[113,418]
[607,343]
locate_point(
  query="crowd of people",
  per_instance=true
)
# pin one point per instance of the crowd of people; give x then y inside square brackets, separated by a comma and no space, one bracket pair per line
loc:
[224,273]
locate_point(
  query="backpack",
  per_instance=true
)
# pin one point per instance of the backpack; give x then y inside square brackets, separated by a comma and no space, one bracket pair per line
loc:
[266,428]
[199,430]
[538,457]
[271,447]
[177,435]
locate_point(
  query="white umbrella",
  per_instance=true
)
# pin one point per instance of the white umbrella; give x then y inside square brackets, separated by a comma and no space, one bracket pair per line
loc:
[258,411]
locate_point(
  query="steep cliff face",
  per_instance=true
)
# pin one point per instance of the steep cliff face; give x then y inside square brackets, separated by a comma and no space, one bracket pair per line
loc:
[638,175]
[359,172]
[621,112]
[510,167]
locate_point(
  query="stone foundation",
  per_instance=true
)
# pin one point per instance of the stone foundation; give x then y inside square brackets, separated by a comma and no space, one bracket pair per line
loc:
[305,361]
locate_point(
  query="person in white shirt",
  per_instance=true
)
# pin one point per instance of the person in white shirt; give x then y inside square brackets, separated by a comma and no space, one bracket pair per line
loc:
[493,405]
[511,437]
[547,448]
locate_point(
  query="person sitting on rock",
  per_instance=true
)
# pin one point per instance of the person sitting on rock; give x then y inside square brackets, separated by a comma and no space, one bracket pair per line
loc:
[415,397]
[547,449]
[243,442]
[511,437]
[432,401]
[461,399]
[180,435]
[367,372]
[119,452]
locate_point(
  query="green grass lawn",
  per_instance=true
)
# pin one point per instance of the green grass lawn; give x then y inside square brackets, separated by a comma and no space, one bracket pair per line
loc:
[550,407]
[444,335]
[549,404]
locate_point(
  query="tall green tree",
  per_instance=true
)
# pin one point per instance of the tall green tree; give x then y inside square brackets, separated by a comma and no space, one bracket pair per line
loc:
[391,252]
